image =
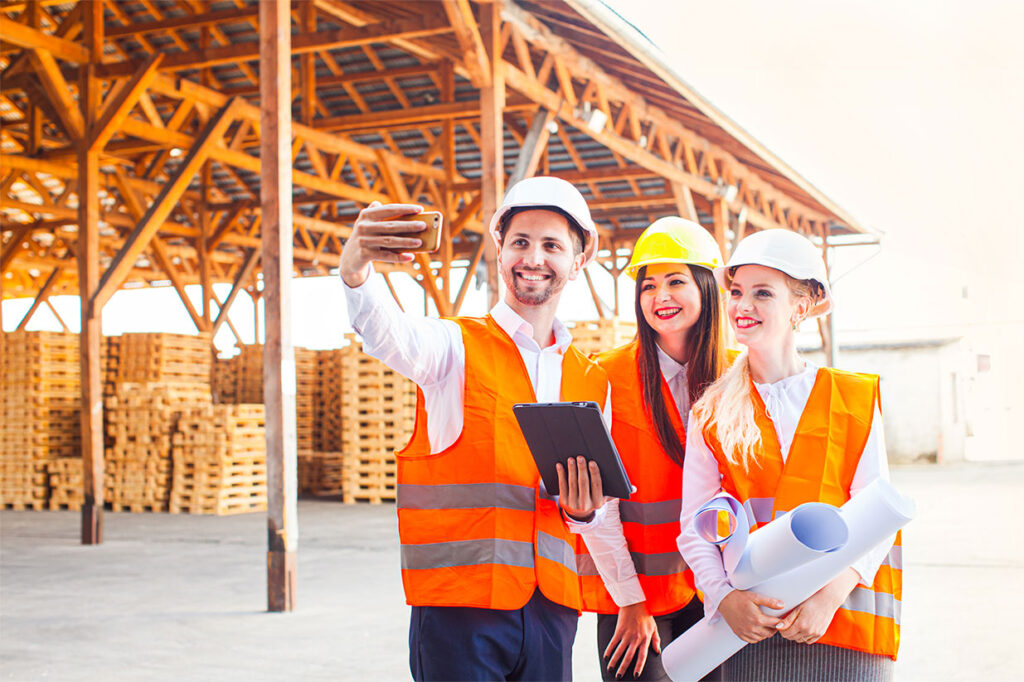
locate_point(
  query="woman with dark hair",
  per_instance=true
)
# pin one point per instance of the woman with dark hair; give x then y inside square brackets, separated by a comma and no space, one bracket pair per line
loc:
[678,351]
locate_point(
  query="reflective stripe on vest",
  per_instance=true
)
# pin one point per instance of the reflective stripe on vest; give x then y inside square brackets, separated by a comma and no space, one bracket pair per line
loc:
[663,564]
[467,553]
[759,510]
[557,550]
[879,604]
[650,513]
[465,496]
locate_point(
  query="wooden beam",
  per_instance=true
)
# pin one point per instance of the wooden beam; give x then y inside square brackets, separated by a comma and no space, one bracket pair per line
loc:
[190,21]
[16,244]
[533,146]
[460,14]
[44,294]
[277,234]
[58,92]
[162,205]
[63,324]
[116,111]
[244,273]
[31,39]
[598,303]
[684,201]
[389,31]
[167,265]
[470,273]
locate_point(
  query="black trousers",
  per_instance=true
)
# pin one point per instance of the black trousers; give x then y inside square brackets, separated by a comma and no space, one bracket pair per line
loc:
[670,626]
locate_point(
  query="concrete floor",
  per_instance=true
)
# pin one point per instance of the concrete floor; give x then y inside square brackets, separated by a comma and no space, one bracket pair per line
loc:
[178,597]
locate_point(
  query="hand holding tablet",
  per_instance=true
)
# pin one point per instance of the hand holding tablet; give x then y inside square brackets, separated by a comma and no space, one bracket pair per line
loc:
[556,432]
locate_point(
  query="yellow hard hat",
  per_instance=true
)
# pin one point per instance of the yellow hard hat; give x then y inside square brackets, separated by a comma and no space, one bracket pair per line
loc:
[674,240]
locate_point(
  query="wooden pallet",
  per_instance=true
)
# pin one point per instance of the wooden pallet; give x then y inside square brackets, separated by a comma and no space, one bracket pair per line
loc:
[601,335]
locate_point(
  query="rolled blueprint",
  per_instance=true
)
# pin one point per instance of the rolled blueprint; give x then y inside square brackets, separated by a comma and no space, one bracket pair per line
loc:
[790,563]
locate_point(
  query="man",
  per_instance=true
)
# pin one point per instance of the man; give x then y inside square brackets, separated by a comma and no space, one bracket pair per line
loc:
[488,564]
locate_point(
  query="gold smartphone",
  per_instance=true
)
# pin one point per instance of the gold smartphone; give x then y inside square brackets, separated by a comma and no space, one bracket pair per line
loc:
[431,236]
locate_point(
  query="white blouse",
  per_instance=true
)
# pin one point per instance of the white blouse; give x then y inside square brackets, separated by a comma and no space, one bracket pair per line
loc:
[784,402]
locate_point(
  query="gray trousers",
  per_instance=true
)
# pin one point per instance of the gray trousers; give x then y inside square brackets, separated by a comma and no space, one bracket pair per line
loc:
[777,658]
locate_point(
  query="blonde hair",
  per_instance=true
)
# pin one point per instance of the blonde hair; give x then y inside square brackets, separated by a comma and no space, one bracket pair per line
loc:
[728,402]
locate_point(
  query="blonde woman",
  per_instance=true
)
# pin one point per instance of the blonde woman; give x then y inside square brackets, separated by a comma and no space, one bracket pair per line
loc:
[776,432]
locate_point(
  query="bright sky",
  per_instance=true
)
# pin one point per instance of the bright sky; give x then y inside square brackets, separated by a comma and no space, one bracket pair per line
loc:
[906,114]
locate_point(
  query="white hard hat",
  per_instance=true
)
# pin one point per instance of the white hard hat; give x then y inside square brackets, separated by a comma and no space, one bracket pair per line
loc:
[786,251]
[544,191]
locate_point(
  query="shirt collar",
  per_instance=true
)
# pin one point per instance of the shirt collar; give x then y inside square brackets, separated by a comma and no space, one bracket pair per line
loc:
[519,329]
[669,367]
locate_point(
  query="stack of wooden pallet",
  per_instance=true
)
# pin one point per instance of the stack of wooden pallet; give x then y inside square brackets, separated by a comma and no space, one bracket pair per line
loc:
[175,358]
[239,381]
[40,394]
[220,461]
[601,335]
[305,398]
[141,420]
[378,415]
[66,483]
[110,363]
[249,375]
[222,381]
[327,437]
[321,473]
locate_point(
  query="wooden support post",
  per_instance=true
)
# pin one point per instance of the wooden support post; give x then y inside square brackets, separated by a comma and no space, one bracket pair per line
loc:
[278,352]
[492,160]
[88,283]
[827,324]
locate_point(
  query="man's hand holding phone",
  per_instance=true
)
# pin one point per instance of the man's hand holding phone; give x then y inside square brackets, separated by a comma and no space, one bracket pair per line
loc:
[382,232]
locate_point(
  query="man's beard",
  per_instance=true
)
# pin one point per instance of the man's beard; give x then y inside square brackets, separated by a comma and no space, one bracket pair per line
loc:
[534,296]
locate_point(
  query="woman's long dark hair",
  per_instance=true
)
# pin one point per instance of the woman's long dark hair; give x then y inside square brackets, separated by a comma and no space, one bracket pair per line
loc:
[706,345]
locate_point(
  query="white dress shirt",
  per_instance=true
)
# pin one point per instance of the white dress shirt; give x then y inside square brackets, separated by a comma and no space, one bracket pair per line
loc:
[784,402]
[603,536]
[430,352]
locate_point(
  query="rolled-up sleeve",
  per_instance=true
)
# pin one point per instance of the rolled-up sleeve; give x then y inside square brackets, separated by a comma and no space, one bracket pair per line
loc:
[607,546]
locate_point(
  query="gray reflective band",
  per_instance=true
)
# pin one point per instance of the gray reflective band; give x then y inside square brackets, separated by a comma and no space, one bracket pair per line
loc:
[467,553]
[550,547]
[465,496]
[650,513]
[759,509]
[666,563]
[894,558]
[585,565]
[877,604]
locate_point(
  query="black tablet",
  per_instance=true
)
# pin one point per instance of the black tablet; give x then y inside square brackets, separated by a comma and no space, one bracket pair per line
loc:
[557,431]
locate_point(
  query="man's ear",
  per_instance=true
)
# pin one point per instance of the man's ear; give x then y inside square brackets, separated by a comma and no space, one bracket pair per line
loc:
[578,261]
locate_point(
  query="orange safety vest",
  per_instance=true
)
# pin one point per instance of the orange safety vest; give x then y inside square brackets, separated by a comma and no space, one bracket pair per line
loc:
[650,517]
[475,527]
[822,461]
